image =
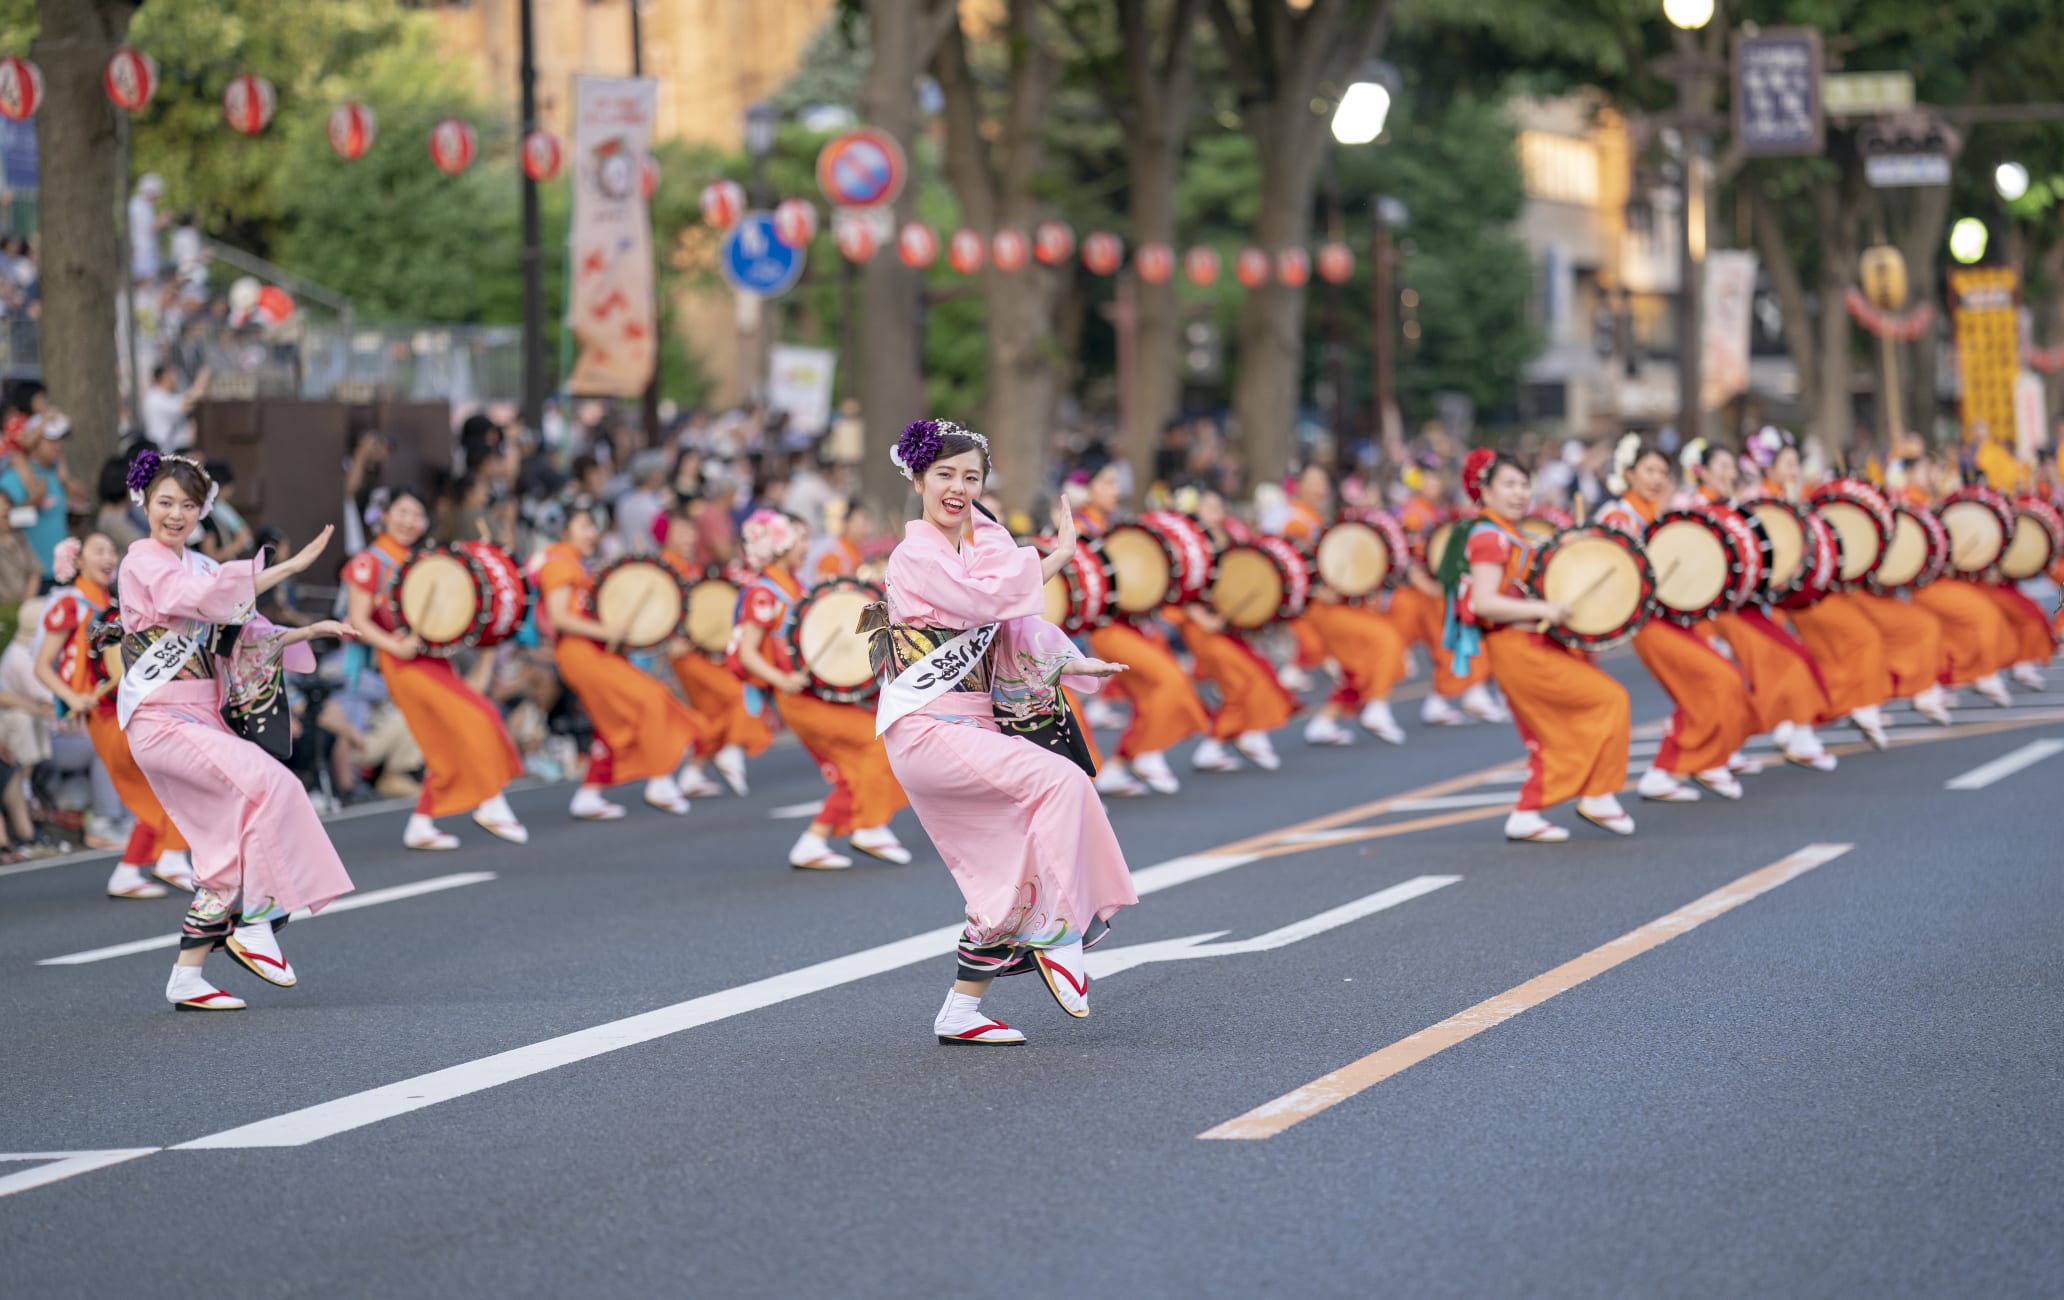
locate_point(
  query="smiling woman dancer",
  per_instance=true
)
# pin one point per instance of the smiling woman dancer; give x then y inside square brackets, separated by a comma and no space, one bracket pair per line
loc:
[467,754]
[1018,823]
[1575,720]
[191,640]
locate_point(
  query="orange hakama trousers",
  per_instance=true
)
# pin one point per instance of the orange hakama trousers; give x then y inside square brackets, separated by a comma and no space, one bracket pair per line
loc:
[1250,697]
[1713,714]
[467,754]
[1165,707]
[641,730]
[1914,653]
[1366,645]
[2033,642]
[716,693]
[154,834]
[1977,640]
[1421,620]
[1784,683]
[1850,651]
[864,791]
[1575,721]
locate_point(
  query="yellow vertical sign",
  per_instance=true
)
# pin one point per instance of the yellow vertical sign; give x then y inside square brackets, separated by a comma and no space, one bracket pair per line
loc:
[1983,301]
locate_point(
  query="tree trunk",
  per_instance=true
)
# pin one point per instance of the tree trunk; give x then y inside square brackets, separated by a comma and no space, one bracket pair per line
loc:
[1920,237]
[1776,253]
[1022,380]
[1272,317]
[1157,320]
[891,382]
[1833,418]
[83,260]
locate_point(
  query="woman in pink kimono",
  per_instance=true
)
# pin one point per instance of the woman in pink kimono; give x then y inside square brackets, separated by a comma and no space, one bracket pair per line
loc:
[982,742]
[192,642]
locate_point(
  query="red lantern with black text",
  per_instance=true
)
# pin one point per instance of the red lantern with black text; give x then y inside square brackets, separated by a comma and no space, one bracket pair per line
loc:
[1251,267]
[451,146]
[795,222]
[1293,267]
[723,203]
[964,252]
[917,245]
[1053,243]
[854,235]
[1200,264]
[542,156]
[247,104]
[1154,262]
[1102,252]
[1010,250]
[131,79]
[351,130]
[1336,263]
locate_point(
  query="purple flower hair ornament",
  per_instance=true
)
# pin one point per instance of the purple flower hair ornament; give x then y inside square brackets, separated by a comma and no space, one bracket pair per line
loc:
[146,465]
[923,440]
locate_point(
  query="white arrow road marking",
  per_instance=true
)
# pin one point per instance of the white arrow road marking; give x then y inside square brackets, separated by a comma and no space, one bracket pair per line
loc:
[1105,963]
[63,1164]
[1999,769]
[349,902]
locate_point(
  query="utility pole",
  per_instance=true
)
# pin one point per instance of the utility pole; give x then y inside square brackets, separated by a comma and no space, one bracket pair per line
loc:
[532,261]
[651,402]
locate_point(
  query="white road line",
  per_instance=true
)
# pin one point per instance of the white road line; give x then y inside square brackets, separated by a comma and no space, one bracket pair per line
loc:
[298,1128]
[1440,802]
[1105,963]
[794,811]
[1322,837]
[1999,769]
[63,1164]
[350,902]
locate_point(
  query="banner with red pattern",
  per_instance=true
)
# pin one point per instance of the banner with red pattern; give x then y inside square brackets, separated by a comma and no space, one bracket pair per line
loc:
[609,301]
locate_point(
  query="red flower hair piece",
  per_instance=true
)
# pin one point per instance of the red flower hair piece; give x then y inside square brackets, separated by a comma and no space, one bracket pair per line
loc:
[1476,471]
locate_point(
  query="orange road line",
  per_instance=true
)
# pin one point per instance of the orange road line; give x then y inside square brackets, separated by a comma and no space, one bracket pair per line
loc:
[1271,1118]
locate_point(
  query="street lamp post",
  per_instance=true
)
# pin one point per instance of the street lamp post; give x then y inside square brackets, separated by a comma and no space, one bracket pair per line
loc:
[760,122]
[1694,88]
[532,259]
[649,406]
[1359,119]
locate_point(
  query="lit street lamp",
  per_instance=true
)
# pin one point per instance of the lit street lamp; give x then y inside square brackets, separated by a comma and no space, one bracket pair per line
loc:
[1362,112]
[2011,180]
[1688,14]
[1694,75]
[1967,240]
[1359,119]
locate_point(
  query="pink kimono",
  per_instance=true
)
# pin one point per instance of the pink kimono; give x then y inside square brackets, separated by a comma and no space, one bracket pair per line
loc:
[253,831]
[1020,827]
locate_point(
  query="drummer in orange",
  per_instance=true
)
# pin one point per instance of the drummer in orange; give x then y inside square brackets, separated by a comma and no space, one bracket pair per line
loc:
[865,795]
[1311,503]
[64,666]
[641,731]
[1784,683]
[1419,609]
[843,558]
[1713,715]
[1978,641]
[1841,637]
[1362,641]
[1165,707]
[1573,719]
[468,757]
[1252,703]
[714,691]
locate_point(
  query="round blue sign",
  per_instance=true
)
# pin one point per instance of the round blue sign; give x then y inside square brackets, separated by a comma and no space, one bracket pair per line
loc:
[755,262]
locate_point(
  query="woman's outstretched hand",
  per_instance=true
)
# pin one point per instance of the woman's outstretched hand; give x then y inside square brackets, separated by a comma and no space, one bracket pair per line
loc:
[308,554]
[1092,668]
[1064,525]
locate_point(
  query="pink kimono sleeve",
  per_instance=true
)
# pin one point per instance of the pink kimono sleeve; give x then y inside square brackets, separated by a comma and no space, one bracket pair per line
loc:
[1025,664]
[159,588]
[991,579]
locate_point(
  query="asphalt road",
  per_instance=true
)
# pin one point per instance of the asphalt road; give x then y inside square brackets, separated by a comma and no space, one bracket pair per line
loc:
[648,1059]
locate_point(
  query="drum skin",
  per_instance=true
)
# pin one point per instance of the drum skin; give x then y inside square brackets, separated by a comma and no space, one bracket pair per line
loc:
[1862,517]
[644,597]
[1143,566]
[710,611]
[462,596]
[1361,555]
[1917,553]
[1604,577]
[1437,542]
[2037,540]
[1696,560]
[1542,522]
[826,644]
[1255,584]
[1980,523]
[1784,525]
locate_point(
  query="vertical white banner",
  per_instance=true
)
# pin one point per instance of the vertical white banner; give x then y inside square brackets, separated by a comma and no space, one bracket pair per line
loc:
[610,304]
[799,381]
[1730,304]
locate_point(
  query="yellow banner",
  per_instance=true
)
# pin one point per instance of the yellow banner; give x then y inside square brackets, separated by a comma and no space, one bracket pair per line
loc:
[610,303]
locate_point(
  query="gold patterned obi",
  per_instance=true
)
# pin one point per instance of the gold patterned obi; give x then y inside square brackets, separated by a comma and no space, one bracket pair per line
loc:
[199,666]
[903,644]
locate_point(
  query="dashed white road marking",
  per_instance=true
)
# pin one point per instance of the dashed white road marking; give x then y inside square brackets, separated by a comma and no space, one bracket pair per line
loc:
[55,1166]
[1999,769]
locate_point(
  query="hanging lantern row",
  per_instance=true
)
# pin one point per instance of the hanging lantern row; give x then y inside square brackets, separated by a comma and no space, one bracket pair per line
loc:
[352,129]
[131,79]
[1900,327]
[21,89]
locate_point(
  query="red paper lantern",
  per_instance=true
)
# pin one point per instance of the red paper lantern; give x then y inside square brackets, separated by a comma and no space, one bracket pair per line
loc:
[648,174]
[1336,263]
[21,89]
[1053,243]
[542,156]
[964,252]
[131,79]
[1102,252]
[451,146]
[1201,265]
[352,129]
[247,104]
[723,203]
[1293,267]
[1009,250]
[918,245]
[1154,262]
[795,223]
[1251,267]
[855,235]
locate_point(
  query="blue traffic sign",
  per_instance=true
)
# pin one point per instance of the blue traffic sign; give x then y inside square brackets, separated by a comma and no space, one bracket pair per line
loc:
[755,262]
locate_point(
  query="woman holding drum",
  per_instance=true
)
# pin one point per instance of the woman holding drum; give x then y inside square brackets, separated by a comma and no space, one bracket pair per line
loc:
[1978,643]
[467,754]
[641,731]
[1713,716]
[1362,641]
[1914,657]
[697,657]
[841,737]
[1573,718]
[1019,824]
[1252,703]
[1419,609]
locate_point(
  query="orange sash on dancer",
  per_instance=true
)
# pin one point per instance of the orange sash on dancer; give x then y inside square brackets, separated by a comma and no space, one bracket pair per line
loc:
[645,731]
[1250,697]
[1165,707]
